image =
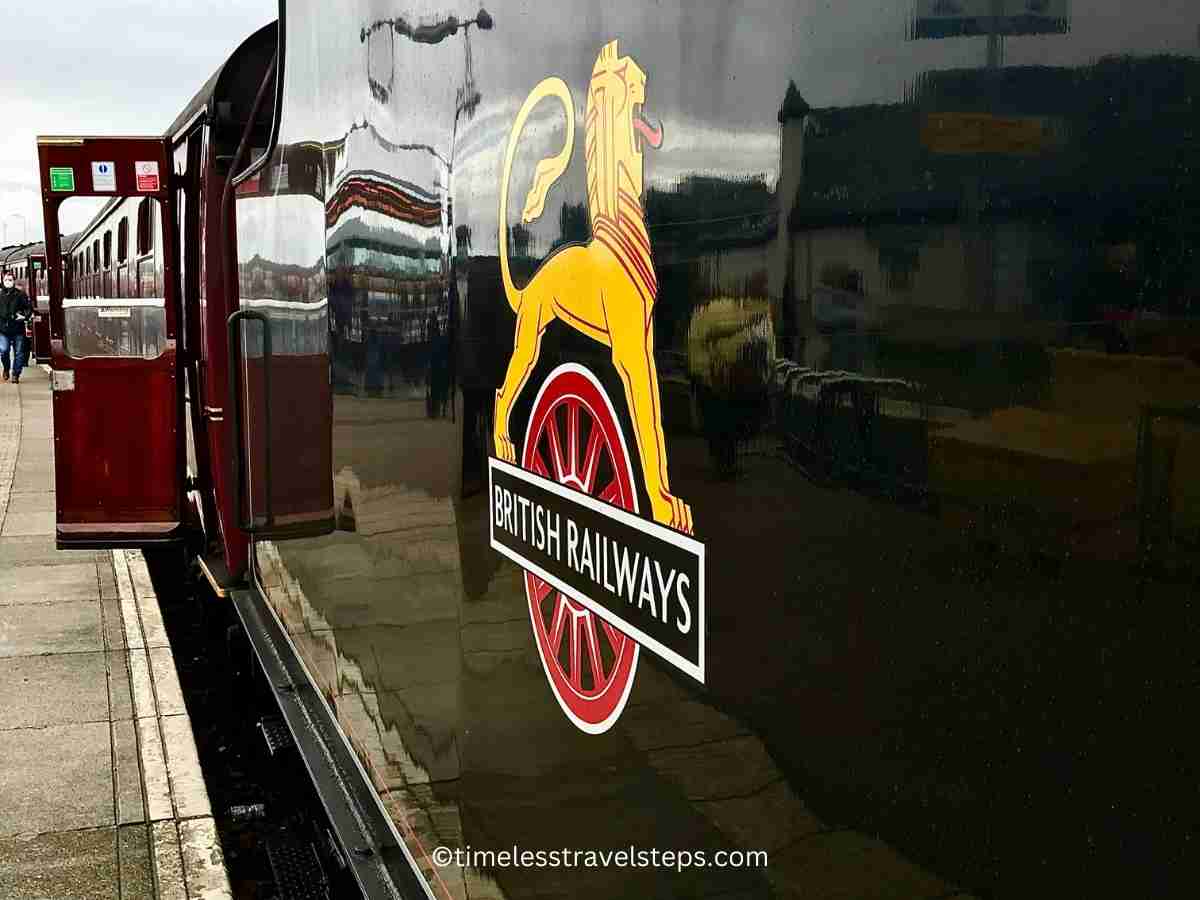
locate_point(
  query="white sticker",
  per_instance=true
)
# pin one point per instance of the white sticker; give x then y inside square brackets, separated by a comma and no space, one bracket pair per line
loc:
[104,176]
[62,380]
[147,175]
[113,312]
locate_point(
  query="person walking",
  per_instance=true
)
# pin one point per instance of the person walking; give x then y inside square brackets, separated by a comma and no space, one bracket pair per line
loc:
[15,311]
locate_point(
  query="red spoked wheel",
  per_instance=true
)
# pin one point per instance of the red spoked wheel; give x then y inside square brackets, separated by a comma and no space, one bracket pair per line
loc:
[573,438]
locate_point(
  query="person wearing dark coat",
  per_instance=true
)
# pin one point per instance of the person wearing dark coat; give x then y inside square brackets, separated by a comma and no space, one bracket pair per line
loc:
[15,311]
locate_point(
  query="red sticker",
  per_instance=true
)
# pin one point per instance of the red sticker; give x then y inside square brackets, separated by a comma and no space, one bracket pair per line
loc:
[147,175]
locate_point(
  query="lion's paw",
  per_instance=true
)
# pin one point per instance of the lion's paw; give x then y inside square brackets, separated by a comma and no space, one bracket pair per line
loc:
[673,512]
[505,449]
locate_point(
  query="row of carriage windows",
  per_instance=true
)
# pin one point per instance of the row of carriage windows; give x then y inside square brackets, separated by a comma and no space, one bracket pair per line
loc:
[135,328]
[98,256]
[34,282]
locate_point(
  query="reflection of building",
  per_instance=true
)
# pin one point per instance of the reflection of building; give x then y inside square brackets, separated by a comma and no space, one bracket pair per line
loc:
[385,195]
[262,278]
[997,240]
[388,286]
[385,286]
[972,197]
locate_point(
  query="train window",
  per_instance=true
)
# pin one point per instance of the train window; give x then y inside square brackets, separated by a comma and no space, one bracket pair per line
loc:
[97,323]
[147,278]
[144,231]
[123,240]
[130,328]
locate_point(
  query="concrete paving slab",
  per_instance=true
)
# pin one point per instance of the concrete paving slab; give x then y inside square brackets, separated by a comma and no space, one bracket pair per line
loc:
[127,773]
[183,768]
[166,682]
[168,865]
[56,778]
[37,441]
[70,627]
[72,865]
[153,631]
[22,523]
[144,705]
[30,502]
[130,619]
[53,690]
[203,864]
[39,550]
[120,698]
[49,584]
[137,877]
[114,629]
[33,474]
[155,783]
[106,576]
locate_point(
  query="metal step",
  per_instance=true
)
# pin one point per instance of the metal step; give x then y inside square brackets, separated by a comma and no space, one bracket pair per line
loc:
[217,574]
[275,733]
[296,869]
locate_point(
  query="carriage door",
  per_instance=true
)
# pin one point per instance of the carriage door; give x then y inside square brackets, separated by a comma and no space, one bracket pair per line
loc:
[117,405]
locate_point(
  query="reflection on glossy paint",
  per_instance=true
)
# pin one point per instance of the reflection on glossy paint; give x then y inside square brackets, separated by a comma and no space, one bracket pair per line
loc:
[926,341]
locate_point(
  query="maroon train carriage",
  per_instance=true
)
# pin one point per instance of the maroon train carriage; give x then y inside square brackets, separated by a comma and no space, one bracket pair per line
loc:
[27,262]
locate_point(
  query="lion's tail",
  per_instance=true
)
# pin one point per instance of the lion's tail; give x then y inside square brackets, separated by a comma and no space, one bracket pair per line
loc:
[547,172]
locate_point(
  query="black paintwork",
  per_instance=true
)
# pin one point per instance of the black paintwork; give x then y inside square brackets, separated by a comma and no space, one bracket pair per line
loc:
[951,558]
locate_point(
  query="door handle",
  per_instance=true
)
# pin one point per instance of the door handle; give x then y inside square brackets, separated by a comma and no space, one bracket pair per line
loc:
[245,517]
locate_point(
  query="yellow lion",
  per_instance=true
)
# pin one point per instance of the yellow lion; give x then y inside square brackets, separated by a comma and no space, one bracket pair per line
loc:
[606,287]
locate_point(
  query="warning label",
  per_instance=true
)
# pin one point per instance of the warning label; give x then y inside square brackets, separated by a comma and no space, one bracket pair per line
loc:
[147,175]
[104,176]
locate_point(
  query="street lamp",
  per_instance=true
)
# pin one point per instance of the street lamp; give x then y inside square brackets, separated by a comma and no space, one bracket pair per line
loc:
[24,226]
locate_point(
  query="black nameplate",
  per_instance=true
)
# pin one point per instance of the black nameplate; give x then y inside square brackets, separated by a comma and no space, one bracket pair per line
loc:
[643,578]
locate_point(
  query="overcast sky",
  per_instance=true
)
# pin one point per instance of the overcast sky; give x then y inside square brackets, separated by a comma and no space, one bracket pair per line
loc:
[101,67]
[129,66]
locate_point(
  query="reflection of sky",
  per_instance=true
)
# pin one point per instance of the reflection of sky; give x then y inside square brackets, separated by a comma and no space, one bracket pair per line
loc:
[383,228]
[717,73]
[287,229]
[75,214]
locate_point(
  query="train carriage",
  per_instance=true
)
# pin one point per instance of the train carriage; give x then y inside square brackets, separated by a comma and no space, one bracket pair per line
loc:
[27,262]
[725,429]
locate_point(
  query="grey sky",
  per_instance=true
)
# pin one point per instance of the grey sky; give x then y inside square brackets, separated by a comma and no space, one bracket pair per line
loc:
[128,66]
[113,67]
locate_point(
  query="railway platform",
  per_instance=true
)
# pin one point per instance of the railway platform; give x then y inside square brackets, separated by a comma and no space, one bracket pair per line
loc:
[101,793]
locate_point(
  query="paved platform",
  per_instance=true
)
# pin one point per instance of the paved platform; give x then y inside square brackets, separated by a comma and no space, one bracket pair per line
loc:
[101,793]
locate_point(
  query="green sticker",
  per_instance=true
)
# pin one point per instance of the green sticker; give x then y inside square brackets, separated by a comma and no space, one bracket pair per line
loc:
[62,178]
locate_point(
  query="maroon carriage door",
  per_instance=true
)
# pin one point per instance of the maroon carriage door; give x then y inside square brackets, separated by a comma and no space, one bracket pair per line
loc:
[118,448]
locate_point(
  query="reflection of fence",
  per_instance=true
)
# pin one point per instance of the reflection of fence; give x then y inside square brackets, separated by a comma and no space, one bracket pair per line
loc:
[1168,488]
[1057,483]
[853,426]
[1130,333]
[298,328]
